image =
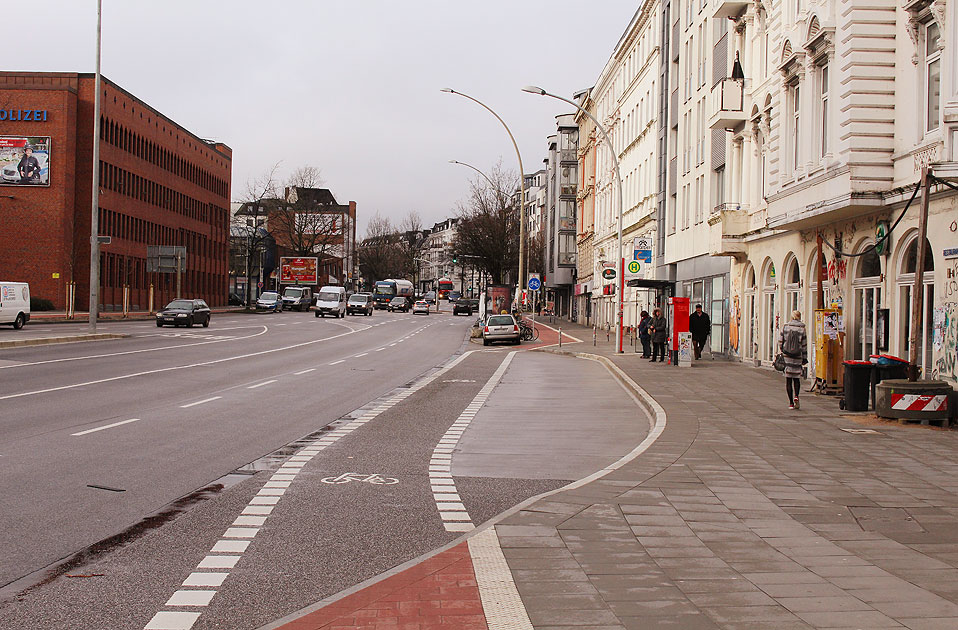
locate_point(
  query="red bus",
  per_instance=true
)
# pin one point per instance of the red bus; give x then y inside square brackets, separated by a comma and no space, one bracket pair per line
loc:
[445,286]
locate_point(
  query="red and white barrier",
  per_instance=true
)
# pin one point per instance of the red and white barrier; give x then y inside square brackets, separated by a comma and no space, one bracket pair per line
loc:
[916,402]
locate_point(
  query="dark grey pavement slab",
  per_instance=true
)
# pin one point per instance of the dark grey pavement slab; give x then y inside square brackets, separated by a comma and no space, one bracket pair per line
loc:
[744,514]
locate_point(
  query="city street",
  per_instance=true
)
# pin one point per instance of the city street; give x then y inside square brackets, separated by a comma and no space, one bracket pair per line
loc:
[162,471]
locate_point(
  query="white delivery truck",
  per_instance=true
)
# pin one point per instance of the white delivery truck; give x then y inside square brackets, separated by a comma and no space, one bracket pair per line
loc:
[14,303]
[331,301]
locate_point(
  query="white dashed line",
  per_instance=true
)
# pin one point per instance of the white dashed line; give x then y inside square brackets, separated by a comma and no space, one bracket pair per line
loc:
[301,372]
[200,402]
[261,384]
[337,362]
[236,539]
[455,517]
[106,426]
[361,355]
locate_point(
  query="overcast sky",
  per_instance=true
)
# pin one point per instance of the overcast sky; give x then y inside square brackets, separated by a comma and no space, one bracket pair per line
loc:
[348,86]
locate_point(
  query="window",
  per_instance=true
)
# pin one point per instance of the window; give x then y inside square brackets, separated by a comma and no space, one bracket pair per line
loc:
[566,249]
[568,178]
[932,76]
[823,94]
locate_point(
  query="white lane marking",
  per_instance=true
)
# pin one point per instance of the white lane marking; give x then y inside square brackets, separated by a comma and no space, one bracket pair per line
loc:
[191,598]
[337,362]
[200,402]
[361,355]
[379,349]
[301,372]
[106,426]
[261,384]
[501,604]
[453,513]
[256,503]
[174,368]
[116,354]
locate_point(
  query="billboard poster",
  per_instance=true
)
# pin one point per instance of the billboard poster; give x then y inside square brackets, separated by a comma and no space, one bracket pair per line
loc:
[25,160]
[298,270]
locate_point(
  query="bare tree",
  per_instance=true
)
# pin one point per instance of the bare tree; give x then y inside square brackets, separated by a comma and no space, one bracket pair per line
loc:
[307,225]
[306,177]
[488,230]
[379,253]
[249,232]
[412,241]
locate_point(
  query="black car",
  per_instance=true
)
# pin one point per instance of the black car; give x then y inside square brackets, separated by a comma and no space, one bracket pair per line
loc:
[398,304]
[184,313]
[465,306]
[235,299]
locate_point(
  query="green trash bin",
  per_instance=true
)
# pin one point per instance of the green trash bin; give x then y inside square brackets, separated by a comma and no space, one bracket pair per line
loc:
[858,376]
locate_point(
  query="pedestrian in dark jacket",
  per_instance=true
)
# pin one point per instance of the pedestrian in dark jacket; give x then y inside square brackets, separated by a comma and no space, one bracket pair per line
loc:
[659,327]
[644,336]
[701,327]
[794,347]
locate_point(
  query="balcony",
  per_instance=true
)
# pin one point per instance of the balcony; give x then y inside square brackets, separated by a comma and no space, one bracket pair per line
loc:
[729,8]
[726,104]
[728,225]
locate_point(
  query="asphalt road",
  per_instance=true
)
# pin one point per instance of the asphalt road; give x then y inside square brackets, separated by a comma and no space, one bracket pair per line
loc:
[209,401]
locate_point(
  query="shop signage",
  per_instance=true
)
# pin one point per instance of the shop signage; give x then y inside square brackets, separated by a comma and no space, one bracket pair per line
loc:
[951,252]
[880,232]
[296,270]
[608,274]
[24,115]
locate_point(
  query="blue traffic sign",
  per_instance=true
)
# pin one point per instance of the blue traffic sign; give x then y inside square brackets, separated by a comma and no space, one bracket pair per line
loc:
[534,284]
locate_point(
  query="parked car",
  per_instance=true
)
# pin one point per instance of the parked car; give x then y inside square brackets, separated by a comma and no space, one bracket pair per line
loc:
[270,301]
[430,297]
[331,300]
[398,304]
[465,306]
[184,313]
[421,306]
[235,299]
[453,296]
[14,303]
[500,328]
[359,304]
[297,298]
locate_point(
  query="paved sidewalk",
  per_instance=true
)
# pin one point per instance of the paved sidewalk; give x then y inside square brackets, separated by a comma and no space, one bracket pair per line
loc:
[741,514]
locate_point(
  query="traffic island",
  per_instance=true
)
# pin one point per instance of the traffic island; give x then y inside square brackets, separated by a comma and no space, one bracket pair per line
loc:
[924,401]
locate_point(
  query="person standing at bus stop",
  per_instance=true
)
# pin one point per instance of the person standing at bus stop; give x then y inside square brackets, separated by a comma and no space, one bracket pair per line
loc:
[659,327]
[701,327]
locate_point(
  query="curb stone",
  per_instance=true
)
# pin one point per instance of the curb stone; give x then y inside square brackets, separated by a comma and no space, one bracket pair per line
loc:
[43,341]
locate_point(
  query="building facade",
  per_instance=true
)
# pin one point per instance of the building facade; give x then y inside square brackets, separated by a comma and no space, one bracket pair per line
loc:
[159,185]
[841,106]
[559,224]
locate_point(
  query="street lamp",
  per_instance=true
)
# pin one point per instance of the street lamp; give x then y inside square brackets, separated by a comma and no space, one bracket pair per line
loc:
[522,190]
[532,89]
[475,169]
[95,210]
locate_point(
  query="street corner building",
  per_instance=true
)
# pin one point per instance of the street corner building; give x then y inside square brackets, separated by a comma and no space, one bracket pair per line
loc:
[160,185]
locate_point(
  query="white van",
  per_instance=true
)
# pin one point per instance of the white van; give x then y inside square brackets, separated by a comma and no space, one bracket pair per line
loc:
[331,301]
[14,303]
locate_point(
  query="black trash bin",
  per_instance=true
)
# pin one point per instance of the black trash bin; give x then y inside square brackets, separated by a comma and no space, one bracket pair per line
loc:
[885,367]
[858,376]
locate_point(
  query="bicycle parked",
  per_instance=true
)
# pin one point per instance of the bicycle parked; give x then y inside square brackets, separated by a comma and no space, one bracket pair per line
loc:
[527,332]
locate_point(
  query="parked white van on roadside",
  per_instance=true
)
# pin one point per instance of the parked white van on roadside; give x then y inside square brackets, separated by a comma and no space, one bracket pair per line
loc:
[331,301]
[14,303]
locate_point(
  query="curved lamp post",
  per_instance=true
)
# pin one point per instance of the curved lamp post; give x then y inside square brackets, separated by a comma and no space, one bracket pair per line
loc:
[486,177]
[522,189]
[532,89]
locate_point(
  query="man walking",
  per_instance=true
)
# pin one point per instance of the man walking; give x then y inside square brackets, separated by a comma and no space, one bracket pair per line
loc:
[701,327]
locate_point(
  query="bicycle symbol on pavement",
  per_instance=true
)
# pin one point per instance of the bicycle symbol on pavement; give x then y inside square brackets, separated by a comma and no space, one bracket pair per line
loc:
[375,479]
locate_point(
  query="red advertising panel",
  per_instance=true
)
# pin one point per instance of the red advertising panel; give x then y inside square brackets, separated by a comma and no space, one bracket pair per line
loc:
[298,270]
[680,319]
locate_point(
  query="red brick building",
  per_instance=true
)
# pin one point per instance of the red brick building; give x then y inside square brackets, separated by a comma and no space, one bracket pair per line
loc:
[159,185]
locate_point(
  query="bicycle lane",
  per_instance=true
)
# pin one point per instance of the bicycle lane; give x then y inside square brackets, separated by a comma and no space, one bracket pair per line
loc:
[332,516]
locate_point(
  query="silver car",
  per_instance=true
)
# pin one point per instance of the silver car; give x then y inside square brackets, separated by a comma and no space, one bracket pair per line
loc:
[500,328]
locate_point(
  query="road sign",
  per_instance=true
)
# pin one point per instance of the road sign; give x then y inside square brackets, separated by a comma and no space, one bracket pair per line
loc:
[608,274]
[55,275]
[259,285]
[634,267]
[534,284]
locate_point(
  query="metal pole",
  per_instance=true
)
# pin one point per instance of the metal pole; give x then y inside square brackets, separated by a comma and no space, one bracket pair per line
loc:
[821,279]
[486,177]
[918,292]
[179,273]
[95,210]
[618,180]
[522,192]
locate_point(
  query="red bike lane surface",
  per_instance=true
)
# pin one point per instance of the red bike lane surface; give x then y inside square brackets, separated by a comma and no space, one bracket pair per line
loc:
[440,592]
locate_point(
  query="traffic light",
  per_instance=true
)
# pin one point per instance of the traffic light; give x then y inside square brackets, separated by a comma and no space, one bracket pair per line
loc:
[455,259]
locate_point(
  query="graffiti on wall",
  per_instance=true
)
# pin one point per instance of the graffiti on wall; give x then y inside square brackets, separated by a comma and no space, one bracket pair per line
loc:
[837,270]
[946,341]
[950,288]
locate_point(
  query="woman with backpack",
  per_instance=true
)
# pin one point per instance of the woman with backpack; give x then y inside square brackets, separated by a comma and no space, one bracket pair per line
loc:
[794,347]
